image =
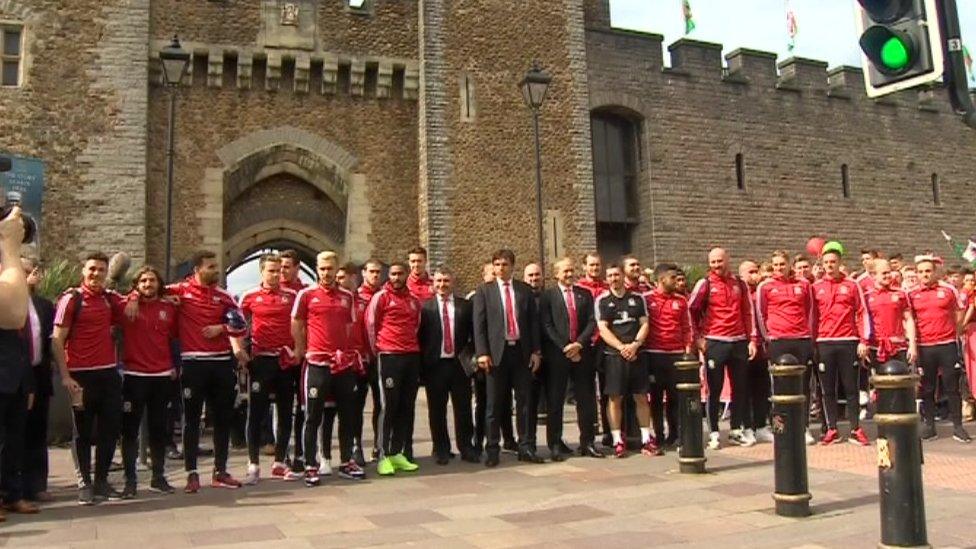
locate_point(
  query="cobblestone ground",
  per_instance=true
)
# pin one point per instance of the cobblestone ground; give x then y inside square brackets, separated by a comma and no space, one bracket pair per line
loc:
[637,501]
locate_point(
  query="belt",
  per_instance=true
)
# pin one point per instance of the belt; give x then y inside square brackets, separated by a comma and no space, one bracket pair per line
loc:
[511,342]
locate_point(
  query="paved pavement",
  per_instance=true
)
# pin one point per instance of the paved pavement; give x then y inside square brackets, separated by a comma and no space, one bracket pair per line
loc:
[578,503]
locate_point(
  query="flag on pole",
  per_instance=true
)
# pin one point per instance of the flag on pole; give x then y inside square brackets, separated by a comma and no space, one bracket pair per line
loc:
[967,252]
[689,18]
[969,63]
[791,26]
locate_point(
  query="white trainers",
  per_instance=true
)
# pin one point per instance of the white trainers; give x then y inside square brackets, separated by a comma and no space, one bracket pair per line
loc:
[713,441]
[325,468]
[748,438]
[764,434]
[253,474]
[809,438]
[736,437]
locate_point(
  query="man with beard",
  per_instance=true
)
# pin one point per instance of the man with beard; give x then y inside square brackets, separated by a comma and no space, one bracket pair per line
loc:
[593,281]
[85,354]
[372,270]
[632,276]
[148,378]
[393,322]
[322,320]
[290,269]
[668,338]
[721,312]
[211,337]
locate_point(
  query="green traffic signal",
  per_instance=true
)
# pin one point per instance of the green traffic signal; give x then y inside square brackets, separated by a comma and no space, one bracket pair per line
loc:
[895,54]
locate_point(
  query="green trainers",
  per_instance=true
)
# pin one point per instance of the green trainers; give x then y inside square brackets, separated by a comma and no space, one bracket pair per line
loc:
[385,467]
[401,463]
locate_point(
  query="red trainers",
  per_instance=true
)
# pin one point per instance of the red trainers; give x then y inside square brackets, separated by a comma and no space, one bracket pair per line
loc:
[651,449]
[224,480]
[192,483]
[858,437]
[620,449]
[831,437]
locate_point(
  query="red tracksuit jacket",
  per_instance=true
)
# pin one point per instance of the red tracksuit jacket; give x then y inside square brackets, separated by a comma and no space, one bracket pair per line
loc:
[841,311]
[202,306]
[721,308]
[784,308]
[393,320]
[670,322]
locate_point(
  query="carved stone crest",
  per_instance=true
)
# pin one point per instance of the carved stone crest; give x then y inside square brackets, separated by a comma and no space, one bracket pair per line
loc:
[289,14]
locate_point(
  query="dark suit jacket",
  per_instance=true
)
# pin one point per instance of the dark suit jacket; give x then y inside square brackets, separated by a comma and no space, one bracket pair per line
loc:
[489,321]
[43,384]
[555,318]
[431,335]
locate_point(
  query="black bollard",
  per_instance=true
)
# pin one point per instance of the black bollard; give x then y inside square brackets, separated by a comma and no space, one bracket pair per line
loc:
[899,457]
[691,456]
[788,424]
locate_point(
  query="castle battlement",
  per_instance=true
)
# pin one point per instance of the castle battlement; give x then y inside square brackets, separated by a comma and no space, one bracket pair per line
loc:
[700,61]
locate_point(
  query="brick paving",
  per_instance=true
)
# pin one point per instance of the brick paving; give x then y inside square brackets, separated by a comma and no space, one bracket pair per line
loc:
[577,503]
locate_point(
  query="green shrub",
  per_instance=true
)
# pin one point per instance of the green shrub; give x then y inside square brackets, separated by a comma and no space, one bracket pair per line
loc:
[58,277]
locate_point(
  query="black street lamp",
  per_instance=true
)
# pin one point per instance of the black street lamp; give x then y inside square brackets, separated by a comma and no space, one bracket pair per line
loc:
[175,60]
[534,86]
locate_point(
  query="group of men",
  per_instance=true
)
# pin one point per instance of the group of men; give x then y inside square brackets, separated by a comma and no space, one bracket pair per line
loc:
[608,338]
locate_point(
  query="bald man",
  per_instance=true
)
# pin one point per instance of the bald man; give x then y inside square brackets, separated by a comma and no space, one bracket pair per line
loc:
[721,313]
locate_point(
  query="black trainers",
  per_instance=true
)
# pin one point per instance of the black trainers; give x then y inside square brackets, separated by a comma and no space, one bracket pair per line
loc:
[129,491]
[959,434]
[160,485]
[929,432]
[86,495]
[104,490]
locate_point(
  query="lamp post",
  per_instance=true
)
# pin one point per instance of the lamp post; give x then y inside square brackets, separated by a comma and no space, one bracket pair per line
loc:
[534,86]
[175,60]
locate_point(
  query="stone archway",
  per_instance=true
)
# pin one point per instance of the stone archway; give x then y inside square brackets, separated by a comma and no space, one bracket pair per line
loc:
[284,185]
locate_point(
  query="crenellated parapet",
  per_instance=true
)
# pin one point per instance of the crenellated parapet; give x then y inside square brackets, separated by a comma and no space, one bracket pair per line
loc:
[295,71]
[696,61]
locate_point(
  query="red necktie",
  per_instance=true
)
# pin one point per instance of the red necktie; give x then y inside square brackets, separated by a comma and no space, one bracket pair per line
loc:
[448,333]
[573,321]
[510,313]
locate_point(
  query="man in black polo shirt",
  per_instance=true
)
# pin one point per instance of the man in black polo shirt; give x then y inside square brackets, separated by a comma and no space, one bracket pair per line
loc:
[622,320]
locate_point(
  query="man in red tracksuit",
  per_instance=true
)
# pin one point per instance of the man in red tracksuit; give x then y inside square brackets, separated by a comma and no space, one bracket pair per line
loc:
[938,311]
[322,319]
[268,308]
[632,276]
[784,318]
[371,273]
[721,313]
[393,322]
[211,338]
[290,269]
[85,355]
[148,378]
[758,378]
[668,339]
[419,283]
[843,332]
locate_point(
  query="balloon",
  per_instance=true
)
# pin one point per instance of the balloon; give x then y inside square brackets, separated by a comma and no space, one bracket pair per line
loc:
[833,246]
[814,245]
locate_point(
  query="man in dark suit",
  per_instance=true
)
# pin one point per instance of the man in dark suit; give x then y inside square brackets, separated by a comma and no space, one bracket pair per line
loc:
[445,331]
[566,313]
[506,340]
[35,442]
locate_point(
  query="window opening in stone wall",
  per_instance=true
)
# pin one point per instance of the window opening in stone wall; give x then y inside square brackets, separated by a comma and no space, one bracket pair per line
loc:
[259,72]
[199,69]
[616,172]
[370,79]
[845,181]
[936,198]
[467,98]
[229,76]
[343,79]
[740,172]
[287,73]
[399,75]
[315,70]
[11,52]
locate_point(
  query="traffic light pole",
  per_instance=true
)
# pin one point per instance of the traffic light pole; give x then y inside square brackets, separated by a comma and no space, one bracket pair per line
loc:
[955,70]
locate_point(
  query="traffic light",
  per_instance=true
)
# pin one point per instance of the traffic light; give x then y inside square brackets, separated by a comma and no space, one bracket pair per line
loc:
[901,45]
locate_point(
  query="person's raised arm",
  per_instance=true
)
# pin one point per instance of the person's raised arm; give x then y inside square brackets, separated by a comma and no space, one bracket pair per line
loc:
[14,293]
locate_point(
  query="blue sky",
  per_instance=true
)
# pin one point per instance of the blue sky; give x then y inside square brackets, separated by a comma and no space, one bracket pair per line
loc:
[826,27]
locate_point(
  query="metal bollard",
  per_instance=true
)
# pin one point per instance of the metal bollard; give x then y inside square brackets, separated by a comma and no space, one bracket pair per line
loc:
[788,424]
[691,456]
[899,457]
